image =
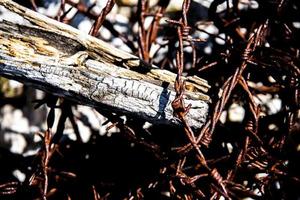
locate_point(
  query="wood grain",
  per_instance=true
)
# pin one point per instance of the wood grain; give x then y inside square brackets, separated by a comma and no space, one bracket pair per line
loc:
[64,61]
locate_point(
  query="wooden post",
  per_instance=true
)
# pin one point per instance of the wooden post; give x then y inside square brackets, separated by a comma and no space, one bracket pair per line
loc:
[61,60]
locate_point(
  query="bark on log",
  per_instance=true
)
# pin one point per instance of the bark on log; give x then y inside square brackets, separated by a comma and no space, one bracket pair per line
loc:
[62,60]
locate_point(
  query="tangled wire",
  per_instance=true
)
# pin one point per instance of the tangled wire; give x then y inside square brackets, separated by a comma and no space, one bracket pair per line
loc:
[253,56]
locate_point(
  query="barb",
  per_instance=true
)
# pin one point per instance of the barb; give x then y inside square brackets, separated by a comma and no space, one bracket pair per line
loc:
[257,39]
[178,104]
[226,158]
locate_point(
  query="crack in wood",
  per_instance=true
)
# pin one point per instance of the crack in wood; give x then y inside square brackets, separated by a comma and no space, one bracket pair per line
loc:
[89,71]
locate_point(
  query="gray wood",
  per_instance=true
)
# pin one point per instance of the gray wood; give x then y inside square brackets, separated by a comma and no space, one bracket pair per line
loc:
[62,60]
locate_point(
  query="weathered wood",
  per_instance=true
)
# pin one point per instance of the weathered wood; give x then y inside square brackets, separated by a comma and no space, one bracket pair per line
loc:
[64,61]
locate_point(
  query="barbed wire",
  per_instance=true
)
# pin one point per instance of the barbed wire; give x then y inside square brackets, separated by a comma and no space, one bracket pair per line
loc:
[193,164]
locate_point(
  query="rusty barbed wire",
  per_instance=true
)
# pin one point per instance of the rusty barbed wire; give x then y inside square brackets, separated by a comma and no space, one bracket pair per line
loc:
[180,110]
[87,11]
[205,134]
[100,19]
[225,159]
